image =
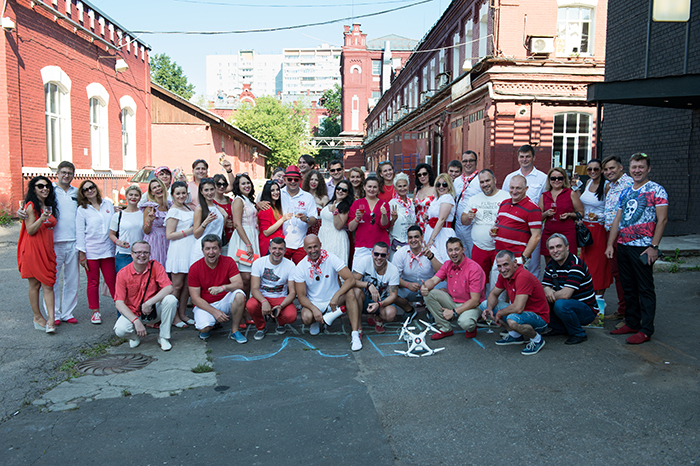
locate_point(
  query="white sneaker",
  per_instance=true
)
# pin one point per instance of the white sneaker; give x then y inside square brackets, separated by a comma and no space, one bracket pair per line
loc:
[356,342]
[165,344]
[134,342]
[315,328]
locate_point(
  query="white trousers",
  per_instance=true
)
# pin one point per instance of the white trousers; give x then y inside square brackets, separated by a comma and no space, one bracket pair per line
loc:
[66,260]
[464,232]
[165,310]
[204,319]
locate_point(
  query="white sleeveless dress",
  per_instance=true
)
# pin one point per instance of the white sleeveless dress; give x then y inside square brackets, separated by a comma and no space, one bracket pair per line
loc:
[214,228]
[179,250]
[250,225]
[332,239]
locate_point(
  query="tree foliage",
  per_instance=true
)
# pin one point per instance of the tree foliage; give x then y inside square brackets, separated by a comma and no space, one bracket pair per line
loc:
[282,127]
[170,76]
[330,126]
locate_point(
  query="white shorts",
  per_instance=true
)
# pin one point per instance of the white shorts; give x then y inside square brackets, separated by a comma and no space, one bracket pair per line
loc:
[203,319]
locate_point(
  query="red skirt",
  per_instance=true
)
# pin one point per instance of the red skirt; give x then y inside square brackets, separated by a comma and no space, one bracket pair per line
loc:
[595,259]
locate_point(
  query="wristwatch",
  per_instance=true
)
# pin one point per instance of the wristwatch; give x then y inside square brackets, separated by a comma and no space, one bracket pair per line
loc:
[655,246]
[455,315]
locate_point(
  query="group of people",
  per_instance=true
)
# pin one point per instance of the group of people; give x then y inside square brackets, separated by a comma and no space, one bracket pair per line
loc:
[354,244]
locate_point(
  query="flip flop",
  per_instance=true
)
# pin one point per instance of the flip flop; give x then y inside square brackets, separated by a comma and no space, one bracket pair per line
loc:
[181,325]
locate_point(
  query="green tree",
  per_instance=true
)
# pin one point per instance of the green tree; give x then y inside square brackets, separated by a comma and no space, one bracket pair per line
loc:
[169,75]
[330,126]
[282,127]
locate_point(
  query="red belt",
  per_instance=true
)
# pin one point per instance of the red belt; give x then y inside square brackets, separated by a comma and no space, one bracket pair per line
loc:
[433,221]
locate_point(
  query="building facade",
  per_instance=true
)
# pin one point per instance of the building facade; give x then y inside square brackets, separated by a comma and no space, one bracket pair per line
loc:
[77,89]
[310,71]
[490,77]
[651,101]
[227,74]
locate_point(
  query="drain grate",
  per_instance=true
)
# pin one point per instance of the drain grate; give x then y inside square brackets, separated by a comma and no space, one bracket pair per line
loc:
[113,364]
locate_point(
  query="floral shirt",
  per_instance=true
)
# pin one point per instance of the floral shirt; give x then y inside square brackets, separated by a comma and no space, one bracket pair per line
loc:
[613,197]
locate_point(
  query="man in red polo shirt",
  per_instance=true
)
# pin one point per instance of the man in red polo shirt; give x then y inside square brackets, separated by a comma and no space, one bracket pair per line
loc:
[527,315]
[519,223]
[465,290]
[143,292]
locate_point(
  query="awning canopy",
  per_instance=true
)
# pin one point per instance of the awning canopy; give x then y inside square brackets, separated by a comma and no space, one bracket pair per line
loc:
[671,92]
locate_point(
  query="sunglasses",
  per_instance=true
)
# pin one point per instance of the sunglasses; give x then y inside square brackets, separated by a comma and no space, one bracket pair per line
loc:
[371,216]
[592,169]
[556,178]
[41,186]
[221,185]
[422,174]
[441,185]
[89,188]
[379,254]
[291,179]
[342,190]
[335,170]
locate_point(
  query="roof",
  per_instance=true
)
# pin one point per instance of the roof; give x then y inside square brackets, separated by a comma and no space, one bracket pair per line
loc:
[395,42]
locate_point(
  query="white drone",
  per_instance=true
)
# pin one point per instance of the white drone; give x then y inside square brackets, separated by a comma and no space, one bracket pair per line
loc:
[416,342]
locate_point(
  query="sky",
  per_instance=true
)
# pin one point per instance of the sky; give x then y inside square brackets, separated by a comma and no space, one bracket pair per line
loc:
[190,51]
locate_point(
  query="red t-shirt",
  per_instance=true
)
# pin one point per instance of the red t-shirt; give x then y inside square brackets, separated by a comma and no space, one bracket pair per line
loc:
[523,282]
[130,285]
[367,234]
[514,224]
[266,218]
[388,193]
[202,276]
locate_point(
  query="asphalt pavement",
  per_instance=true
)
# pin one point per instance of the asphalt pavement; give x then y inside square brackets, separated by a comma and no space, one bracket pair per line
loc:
[301,399]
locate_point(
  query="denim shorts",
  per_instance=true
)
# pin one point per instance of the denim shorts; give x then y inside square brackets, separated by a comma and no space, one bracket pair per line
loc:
[528,318]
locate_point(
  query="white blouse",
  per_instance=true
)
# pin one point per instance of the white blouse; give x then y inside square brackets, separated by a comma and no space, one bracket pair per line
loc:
[92,230]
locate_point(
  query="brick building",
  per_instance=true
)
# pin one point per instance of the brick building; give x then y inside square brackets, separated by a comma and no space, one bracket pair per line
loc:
[183,132]
[77,88]
[651,101]
[490,77]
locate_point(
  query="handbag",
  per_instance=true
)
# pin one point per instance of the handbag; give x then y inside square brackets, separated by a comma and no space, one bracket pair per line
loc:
[583,234]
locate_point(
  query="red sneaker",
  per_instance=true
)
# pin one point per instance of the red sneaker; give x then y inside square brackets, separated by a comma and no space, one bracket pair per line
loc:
[623,330]
[441,335]
[72,320]
[371,321]
[379,328]
[638,338]
[471,334]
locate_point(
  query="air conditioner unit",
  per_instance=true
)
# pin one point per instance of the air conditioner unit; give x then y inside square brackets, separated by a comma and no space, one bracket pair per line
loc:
[443,79]
[541,45]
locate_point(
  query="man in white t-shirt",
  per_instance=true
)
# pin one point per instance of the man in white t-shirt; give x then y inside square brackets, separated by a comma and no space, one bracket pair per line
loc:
[318,289]
[415,265]
[272,290]
[466,185]
[480,212]
[303,206]
[377,286]
[536,181]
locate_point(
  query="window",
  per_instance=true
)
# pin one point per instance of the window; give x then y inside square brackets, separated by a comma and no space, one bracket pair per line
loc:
[483,30]
[98,99]
[469,44]
[57,87]
[574,31]
[425,79]
[571,145]
[128,132]
[455,55]
[376,67]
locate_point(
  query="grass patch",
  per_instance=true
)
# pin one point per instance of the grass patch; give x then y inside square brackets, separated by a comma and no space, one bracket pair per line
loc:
[202,368]
[68,367]
[5,218]
[126,392]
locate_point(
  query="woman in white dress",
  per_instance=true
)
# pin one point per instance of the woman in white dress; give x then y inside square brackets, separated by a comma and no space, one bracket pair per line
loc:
[179,226]
[245,222]
[208,217]
[334,217]
[316,186]
[439,222]
[403,214]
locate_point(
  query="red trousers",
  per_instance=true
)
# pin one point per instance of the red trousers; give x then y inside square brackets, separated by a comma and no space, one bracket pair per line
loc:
[485,259]
[295,255]
[287,315]
[93,280]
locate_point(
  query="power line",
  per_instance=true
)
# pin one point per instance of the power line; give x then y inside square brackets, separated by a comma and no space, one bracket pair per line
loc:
[258,5]
[285,28]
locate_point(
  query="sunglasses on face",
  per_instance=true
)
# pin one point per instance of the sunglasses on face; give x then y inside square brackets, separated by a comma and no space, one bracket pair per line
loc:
[290,179]
[342,190]
[41,186]
[592,169]
[422,174]
[556,178]
[89,188]
[441,185]
[221,185]
[379,254]
[335,170]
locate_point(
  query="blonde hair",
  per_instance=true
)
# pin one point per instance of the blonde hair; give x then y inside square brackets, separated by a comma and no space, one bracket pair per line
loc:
[133,187]
[165,192]
[548,185]
[448,179]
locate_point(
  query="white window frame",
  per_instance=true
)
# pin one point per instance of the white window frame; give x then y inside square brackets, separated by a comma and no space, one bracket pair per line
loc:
[567,29]
[483,30]
[571,138]
[456,68]
[99,128]
[128,118]
[54,77]
[468,42]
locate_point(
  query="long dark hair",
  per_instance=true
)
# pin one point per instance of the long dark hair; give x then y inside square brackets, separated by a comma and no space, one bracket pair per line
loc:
[600,192]
[360,192]
[431,175]
[321,189]
[237,187]
[344,205]
[34,199]
[82,200]
[267,196]
[203,200]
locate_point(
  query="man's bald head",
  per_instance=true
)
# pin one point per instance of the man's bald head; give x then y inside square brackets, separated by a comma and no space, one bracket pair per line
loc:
[518,188]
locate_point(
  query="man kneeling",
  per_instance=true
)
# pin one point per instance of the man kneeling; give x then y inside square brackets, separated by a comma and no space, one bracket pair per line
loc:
[143,293]
[465,290]
[215,289]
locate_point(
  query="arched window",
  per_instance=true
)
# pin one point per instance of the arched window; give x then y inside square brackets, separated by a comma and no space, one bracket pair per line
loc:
[98,99]
[128,116]
[572,139]
[57,87]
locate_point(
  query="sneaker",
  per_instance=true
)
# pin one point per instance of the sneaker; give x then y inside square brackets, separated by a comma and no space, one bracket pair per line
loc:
[204,336]
[238,336]
[356,342]
[72,320]
[315,329]
[532,347]
[134,342]
[509,340]
[379,328]
[441,335]
[471,334]
[96,318]
[623,330]
[165,344]
[281,330]
[259,335]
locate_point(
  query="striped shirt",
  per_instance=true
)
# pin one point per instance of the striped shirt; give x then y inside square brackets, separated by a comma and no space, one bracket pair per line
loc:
[573,273]
[514,224]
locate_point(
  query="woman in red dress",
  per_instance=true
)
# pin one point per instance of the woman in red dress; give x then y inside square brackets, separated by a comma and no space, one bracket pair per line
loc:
[386,173]
[559,205]
[271,220]
[36,257]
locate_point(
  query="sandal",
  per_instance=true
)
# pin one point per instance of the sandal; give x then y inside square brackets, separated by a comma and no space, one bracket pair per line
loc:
[180,325]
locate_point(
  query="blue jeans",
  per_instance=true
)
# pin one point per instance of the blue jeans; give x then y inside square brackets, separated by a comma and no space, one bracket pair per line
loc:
[122,260]
[569,315]
[524,318]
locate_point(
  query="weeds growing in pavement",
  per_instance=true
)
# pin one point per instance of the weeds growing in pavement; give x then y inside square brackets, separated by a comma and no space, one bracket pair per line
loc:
[202,368]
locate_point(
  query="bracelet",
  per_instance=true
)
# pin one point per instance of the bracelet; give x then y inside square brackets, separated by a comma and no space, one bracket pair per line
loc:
[431,257]
[135,319]
[184,234]
[229,171]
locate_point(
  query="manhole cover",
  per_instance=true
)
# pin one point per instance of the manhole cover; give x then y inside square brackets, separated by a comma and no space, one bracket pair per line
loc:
[113,364]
